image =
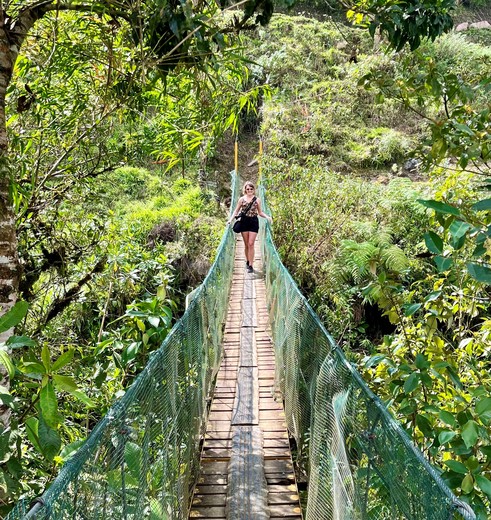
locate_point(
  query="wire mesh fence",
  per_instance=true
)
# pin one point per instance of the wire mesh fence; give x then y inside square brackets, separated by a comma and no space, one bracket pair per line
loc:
[359,462]
[142,459]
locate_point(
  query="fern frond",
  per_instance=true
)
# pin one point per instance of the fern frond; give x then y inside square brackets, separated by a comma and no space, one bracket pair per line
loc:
[332,275]
[373,293]
[383,238]
[355,257]
[395,259]
[363,230]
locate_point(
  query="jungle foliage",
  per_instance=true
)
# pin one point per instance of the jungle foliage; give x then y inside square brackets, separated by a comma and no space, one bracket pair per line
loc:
[108,251]
[377,166]
[115,225]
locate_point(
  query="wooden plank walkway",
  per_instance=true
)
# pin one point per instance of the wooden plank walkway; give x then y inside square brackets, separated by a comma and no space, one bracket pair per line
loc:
[218,479]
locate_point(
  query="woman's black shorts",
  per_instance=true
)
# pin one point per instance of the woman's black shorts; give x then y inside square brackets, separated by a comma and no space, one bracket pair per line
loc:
[249,224]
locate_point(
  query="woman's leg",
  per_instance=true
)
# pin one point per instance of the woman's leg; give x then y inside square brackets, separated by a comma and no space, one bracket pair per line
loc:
[245,237]
[251,239]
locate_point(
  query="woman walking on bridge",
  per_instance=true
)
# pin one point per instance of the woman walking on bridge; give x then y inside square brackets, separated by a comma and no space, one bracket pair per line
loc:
[250,207]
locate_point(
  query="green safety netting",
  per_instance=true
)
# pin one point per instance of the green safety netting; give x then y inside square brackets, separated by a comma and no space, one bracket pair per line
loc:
[142,459]
[360,463]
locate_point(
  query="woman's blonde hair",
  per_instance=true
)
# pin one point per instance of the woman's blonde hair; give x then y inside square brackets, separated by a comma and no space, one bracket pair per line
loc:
[248,183]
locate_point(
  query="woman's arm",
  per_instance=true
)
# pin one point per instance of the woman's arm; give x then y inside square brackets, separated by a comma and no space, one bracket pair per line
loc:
[236,211]
[261,213]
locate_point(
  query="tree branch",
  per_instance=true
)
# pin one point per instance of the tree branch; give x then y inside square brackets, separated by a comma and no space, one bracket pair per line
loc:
[63,302]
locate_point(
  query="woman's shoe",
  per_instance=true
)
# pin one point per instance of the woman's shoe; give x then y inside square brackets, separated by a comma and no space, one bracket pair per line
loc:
[247,263]
[250,269]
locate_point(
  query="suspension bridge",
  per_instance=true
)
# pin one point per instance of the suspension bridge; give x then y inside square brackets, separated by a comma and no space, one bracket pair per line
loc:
[248,411]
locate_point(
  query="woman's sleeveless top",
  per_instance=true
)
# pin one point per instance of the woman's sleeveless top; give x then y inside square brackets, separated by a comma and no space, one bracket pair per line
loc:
[252,211]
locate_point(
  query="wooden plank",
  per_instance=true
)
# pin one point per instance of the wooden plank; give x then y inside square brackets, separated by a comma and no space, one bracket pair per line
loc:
[276,466]
[216,453]
[220,416]
[285,511]
[212,480]
[208,512]
[214,468]
[209,499]
[203,489]
[291,488]
[210,492]
[283,498]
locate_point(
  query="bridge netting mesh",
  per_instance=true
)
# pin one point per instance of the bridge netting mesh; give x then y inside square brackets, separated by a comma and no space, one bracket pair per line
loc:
[359,462]
[142,459]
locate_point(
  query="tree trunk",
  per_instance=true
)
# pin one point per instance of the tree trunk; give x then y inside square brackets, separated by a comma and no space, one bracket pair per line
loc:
[12,36]
[9,260]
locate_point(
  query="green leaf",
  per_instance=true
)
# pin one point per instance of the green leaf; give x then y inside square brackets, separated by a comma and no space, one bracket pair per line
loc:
[15,468]
[465,129]
[411,383]
[486,450]
[65,383]
[7,363]
[133,458]
[6,397]
[472,463]
[49,440]
[14,316]
[484,484]
[409,310]
[479,272]
[131,351]
[154,321]
[467,483]
[433,296]
[456,466]
[455,378]
[443,264]
[70,449]
[457,243]
[46,357]
[140,325]
[483,409]
[421,362]
[433,242]
[458,229]
[161,293]
[84,398]
[470,433]
[425,426]
[447,418]
[440,207]
[32,432]
[49,405]
[63,360]
[482,205]
[20,341]
[446,436]
[375,360]
[32,368]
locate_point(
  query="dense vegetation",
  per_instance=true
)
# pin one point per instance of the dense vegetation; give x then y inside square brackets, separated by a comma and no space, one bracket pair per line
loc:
[117,219]
[119,204]
[377,169]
